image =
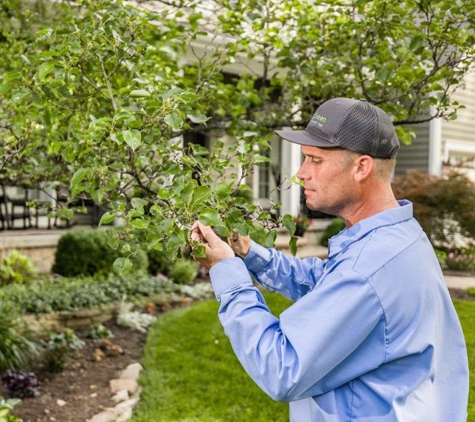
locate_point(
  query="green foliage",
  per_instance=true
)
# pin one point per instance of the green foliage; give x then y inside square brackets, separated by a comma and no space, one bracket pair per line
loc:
[57,349]
[6,408]
[335,227]
[81,293]
[444,207]
[87,252]
[159,262]
[183,271]
[16,268]
[99,332]
[67,339]
[95,97]
[461,260]
[16,349]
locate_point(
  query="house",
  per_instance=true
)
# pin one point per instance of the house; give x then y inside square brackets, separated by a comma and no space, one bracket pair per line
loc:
[441,145]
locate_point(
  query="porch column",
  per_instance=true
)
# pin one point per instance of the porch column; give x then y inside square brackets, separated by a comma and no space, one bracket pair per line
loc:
[291,158]
[435,144]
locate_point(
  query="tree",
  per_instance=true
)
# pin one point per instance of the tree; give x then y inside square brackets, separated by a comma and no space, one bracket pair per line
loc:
[95,95]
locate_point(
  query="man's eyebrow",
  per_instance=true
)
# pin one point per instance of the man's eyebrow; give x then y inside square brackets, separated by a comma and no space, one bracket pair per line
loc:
[312,155]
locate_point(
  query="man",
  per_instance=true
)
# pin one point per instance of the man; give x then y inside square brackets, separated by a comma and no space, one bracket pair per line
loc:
[373,335]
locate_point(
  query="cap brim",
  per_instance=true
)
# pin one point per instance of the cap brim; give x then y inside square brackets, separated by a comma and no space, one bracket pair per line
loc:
[303,137]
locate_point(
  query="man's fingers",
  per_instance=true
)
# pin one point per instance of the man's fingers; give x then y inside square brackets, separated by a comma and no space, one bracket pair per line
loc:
[208,234]
[195,233]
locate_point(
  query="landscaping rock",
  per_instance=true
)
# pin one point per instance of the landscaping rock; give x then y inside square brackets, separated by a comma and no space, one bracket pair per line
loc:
[121,395]
[132,372]
[119,384]
[106,416]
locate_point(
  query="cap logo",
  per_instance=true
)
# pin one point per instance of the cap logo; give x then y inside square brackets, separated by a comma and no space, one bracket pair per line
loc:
[318,120]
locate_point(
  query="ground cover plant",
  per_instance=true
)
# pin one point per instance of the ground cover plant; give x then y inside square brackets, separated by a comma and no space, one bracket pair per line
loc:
[192,374]
[67,294]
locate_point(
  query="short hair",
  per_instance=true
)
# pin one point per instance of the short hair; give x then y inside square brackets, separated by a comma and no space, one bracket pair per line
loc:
[384,167]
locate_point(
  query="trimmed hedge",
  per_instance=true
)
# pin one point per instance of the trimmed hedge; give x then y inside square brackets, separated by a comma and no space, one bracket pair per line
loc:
[335,227]
[81,293]
[86,252]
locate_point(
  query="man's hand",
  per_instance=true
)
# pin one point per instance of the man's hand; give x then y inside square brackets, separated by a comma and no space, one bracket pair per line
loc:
[216,249]
[240,244]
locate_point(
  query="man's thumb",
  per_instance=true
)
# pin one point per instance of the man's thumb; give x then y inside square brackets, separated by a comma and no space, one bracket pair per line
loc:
[207,232]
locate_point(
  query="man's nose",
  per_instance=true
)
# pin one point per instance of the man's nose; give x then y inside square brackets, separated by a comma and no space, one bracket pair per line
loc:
[302,173]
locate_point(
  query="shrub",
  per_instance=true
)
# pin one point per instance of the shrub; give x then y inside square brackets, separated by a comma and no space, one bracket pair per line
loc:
[444,207]
[16,268]
[57,349]
[82,293]
[335,227]
[159,262]
[20,384]
[99,332]
[87,252]
[461,260]
[15,347]
[183,271]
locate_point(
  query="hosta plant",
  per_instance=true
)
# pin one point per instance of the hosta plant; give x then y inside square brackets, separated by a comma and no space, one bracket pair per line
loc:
[6,408]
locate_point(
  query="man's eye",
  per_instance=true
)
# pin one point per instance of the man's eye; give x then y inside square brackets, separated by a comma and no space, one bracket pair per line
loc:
[316,161]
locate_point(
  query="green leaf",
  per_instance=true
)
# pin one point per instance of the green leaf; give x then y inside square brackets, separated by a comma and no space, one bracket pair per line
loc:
[78,177]
[210,217]
[198,118]
[44,69]
[139,224]
[122,265]
[199,251]
[139,93]
[222,231]
[133,138]
[107,218]
[201,194]
[288,222]
[174,120]
[416,43]
[293,245]
[187,192]
[138,203]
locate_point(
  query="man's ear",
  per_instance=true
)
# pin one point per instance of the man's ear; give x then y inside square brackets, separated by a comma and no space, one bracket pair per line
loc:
[363,168]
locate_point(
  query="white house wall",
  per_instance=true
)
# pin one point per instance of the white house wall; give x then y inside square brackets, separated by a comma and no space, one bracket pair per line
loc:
[458,136]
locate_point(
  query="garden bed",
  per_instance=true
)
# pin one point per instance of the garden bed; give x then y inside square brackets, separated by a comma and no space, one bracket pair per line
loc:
[84,384]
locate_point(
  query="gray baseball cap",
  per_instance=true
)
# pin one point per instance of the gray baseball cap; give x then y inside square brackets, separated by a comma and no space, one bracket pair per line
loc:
[355,125]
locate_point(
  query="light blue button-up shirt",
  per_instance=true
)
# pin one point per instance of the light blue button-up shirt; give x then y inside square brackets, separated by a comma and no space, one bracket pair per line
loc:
[372,336]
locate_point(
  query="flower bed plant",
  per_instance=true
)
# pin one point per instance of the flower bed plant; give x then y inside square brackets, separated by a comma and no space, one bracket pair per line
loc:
[82,293]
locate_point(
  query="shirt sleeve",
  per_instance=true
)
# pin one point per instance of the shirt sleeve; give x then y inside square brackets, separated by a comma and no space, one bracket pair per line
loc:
[290,276]
[328,338]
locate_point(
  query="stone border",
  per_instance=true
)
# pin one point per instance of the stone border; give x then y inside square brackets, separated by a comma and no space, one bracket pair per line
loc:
[44,324]
[127,395]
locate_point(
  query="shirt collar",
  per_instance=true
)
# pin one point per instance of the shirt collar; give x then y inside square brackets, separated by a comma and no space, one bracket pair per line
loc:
[354,233]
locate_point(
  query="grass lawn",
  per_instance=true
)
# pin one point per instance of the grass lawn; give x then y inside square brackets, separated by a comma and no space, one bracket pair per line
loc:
[192,374]
[466,312]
